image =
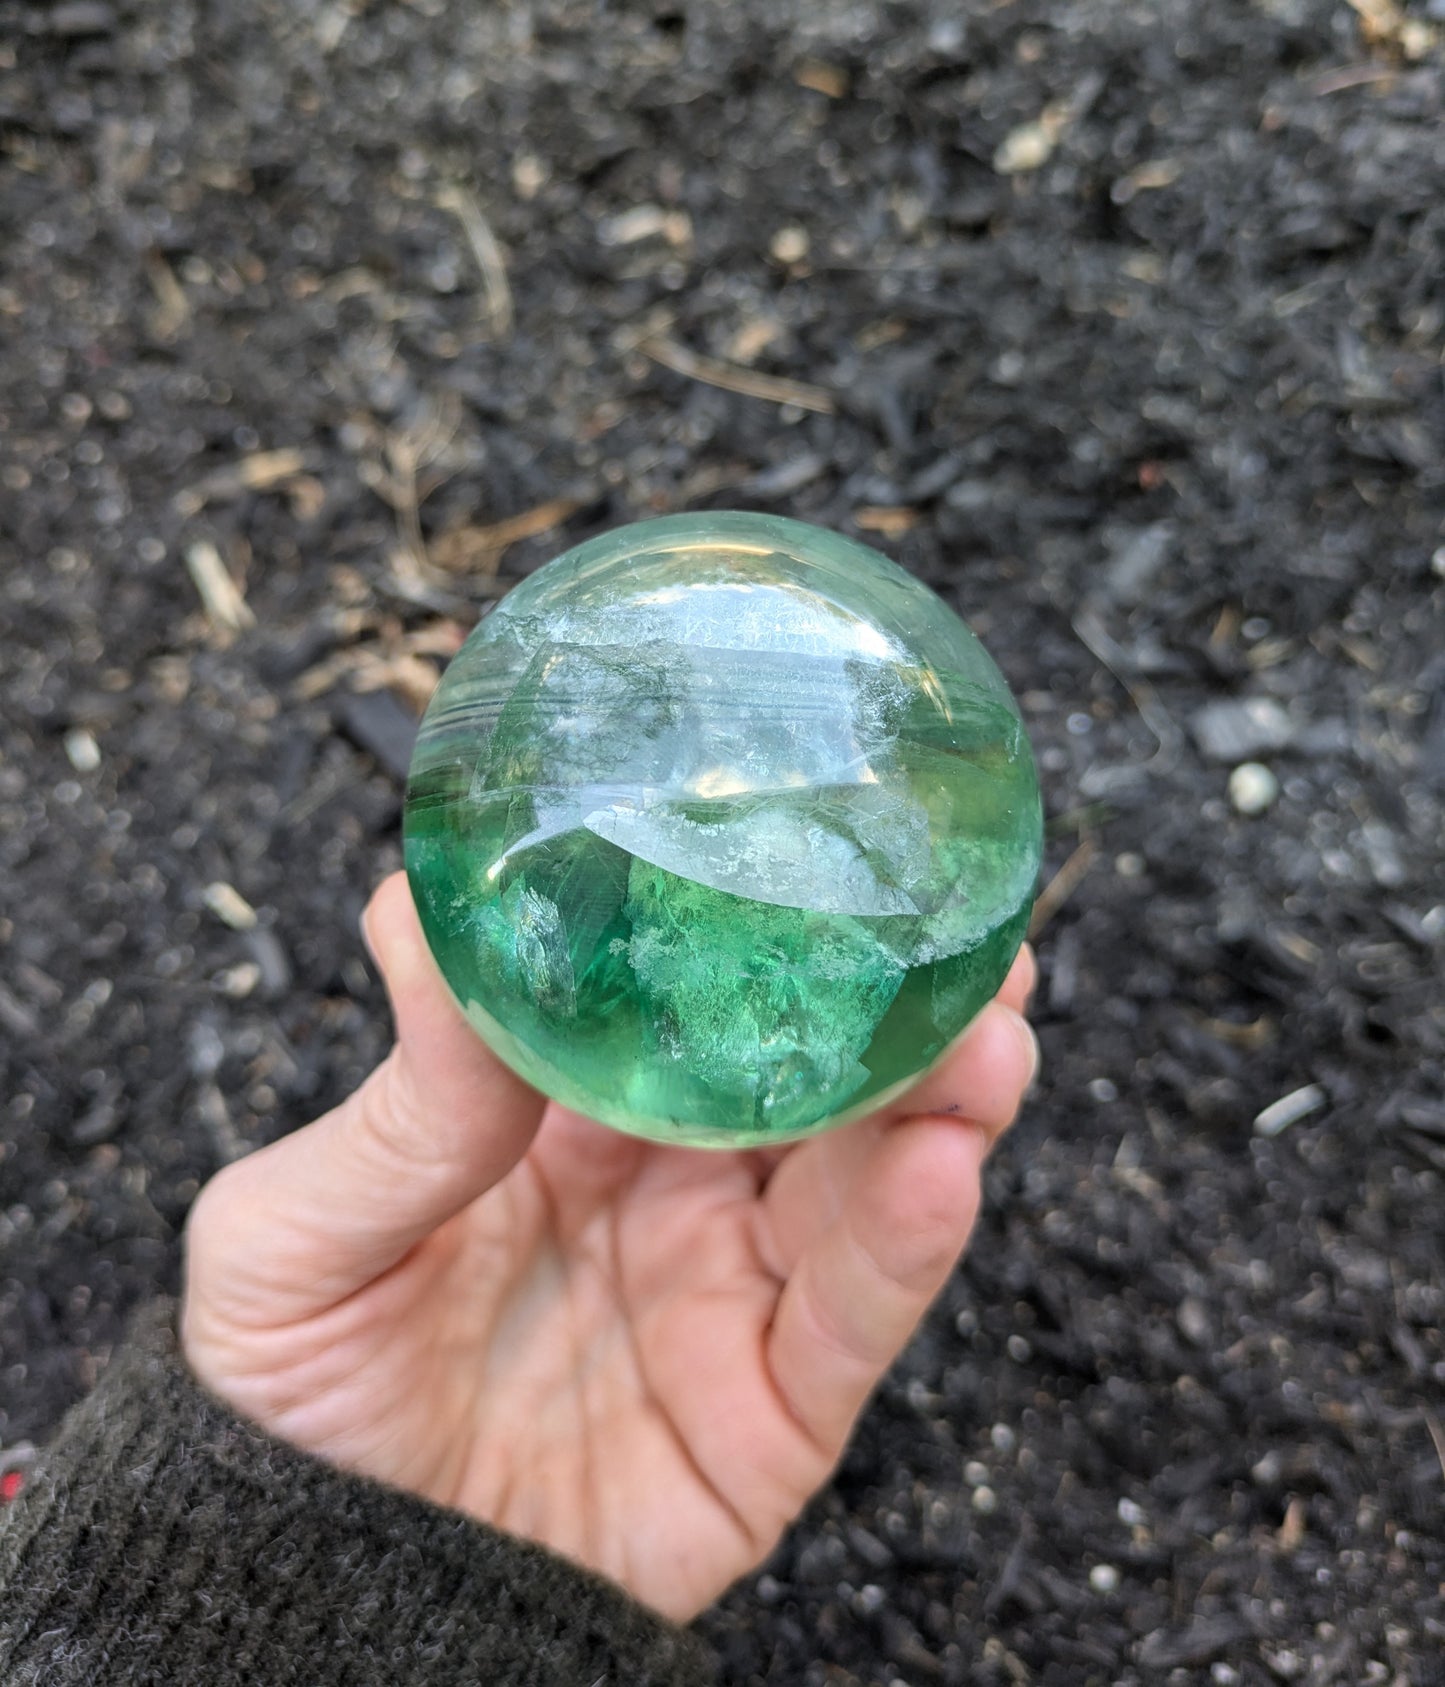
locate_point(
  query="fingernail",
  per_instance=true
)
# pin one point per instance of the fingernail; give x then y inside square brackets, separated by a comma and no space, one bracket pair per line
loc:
[1025,1033]
[364,927]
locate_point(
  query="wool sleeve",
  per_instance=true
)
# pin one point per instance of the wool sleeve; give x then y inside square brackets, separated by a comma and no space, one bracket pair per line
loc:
[162,1539]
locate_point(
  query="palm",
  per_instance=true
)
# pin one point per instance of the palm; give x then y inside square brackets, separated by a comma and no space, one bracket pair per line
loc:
[579,1358]
[645,1358]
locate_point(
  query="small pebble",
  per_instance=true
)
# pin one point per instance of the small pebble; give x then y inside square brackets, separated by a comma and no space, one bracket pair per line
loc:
[529,175]
[1281,1114]
[1252,787]
[229,906]
[1194,1322]
[640,222]
[1132,1513]
[83,751]
[1003,1438]
[985,1501]
[1103,1089]
[1026,148]
[1019,1350]
[1104,1578]
[975,1474]
[1288,1665]
[790,244]
[1268,1470]
[238,981]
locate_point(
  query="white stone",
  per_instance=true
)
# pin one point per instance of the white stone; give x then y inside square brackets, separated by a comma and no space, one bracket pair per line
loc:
[1252,787]
[83,751]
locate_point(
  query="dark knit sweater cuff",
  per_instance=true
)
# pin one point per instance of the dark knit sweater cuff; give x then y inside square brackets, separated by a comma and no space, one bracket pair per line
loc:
[163,1539]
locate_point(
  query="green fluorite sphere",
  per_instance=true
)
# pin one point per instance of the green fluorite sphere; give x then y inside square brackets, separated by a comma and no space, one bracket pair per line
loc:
[722,828]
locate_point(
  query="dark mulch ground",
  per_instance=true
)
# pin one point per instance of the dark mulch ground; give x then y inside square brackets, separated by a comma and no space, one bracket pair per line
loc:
[1133,317]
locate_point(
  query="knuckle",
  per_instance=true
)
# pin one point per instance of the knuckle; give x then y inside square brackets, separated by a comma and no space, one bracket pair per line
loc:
[392,1120]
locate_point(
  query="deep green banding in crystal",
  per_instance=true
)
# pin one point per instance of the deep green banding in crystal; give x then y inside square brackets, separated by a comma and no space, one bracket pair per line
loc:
[722,828]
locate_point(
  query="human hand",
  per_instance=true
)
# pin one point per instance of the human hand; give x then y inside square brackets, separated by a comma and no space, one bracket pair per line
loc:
[646,1358]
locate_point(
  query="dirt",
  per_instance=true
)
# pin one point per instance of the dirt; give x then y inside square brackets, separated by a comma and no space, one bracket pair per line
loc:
[1122,325]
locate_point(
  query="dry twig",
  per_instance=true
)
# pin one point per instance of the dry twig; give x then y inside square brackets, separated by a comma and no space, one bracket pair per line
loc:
[1062,886]
[258,472]
[396,663]
[1096,639]
[223,599]
[408,451]
[1437,1435]
[712,372]
[480,549]
[488,254]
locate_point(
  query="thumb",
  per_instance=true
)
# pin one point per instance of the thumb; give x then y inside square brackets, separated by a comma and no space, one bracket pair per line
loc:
[310,1219]
[441,1096]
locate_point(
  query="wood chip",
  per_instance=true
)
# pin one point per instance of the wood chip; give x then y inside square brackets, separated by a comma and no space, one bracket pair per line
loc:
[488,254]
[1291,1531]
[411,679]
[712,372]
[472,549]
[828,79]
[1031,145]
[173,309]
[224,601]
[891,520]
[396,664]
[1384,23]
[752,337]
[1159,172]
[643,222]
[259,472]
[1257,1034]
[307,497]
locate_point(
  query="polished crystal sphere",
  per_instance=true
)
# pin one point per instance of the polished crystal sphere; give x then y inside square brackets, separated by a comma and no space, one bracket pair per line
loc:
[722,828]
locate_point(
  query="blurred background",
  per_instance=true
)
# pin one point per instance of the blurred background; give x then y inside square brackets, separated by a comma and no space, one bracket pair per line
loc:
[1121,325]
